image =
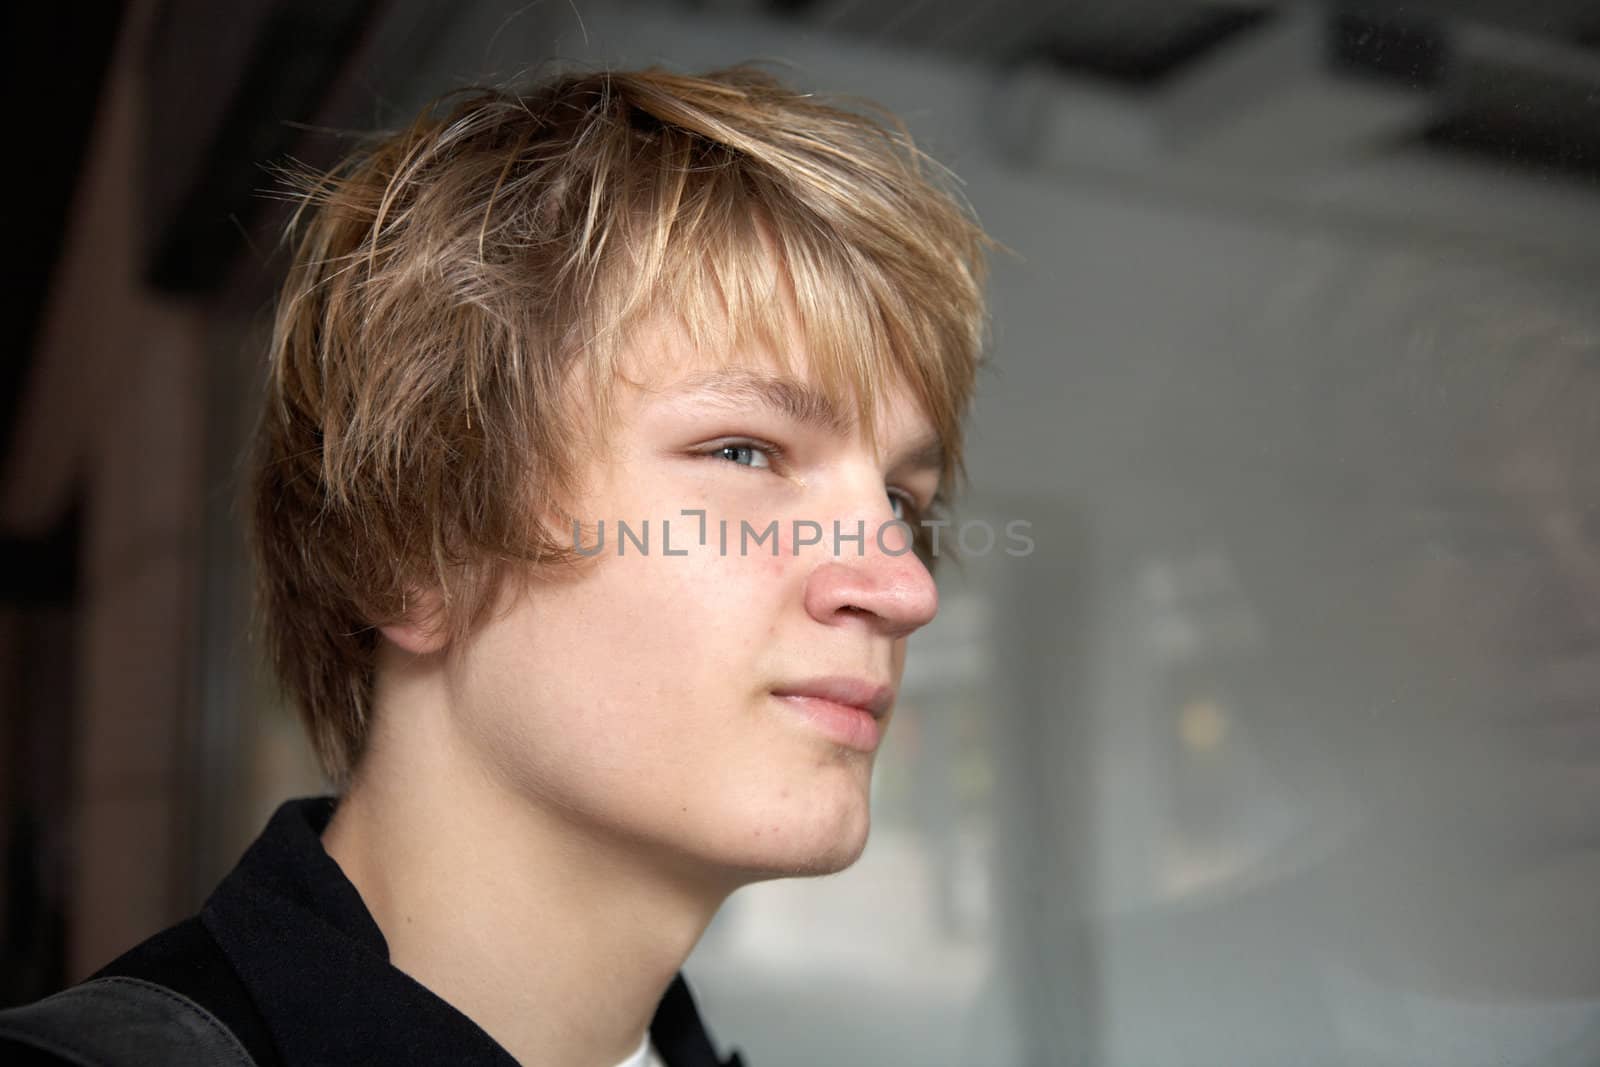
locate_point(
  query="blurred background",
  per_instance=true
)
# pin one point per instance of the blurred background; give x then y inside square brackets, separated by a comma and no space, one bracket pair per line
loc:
[1282,746]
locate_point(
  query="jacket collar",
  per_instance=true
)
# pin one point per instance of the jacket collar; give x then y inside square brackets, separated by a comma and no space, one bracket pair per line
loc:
[317,966]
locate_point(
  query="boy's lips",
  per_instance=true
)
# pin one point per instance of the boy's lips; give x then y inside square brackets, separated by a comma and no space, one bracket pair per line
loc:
[872,697]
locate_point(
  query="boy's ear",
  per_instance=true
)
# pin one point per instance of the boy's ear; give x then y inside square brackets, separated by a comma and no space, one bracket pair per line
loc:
[422,630]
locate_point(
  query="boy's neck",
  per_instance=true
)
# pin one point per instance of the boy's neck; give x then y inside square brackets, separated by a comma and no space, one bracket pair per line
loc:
[555,938]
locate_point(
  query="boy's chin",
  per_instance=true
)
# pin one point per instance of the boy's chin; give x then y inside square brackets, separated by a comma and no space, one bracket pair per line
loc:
[799,865]
[801,850]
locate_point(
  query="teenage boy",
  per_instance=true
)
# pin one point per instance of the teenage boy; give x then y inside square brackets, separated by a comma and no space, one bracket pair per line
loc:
[735,320]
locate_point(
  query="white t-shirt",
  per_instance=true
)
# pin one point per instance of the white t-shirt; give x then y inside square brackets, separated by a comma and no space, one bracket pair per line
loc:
[644,1056]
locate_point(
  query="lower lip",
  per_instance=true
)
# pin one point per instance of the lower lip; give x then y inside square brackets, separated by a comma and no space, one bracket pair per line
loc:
[842,723]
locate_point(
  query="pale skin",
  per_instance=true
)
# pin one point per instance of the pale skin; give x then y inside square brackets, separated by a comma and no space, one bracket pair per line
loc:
[549,813]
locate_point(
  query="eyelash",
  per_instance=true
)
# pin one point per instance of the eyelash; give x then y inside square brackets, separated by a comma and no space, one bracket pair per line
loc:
[776,455]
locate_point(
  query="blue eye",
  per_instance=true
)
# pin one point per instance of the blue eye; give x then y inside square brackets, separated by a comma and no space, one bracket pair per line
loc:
[758,457]
[764,456]
[906,508]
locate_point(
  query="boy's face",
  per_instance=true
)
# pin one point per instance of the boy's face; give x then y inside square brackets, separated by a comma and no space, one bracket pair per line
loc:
[652,696]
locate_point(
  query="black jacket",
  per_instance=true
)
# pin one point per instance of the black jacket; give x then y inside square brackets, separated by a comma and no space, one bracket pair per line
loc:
[288,957]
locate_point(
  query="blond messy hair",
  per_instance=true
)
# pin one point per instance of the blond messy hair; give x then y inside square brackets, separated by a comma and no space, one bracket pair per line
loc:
[448,279]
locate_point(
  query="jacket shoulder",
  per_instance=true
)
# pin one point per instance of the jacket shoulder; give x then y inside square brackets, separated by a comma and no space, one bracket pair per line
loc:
[187,959]
[123,1021]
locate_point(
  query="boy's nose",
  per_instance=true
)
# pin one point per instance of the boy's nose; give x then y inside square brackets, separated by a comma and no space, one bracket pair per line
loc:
[879,578]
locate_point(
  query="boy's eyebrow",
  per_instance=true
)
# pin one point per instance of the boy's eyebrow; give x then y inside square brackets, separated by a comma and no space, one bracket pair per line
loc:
[927,454]
[788,396]
[801,402]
